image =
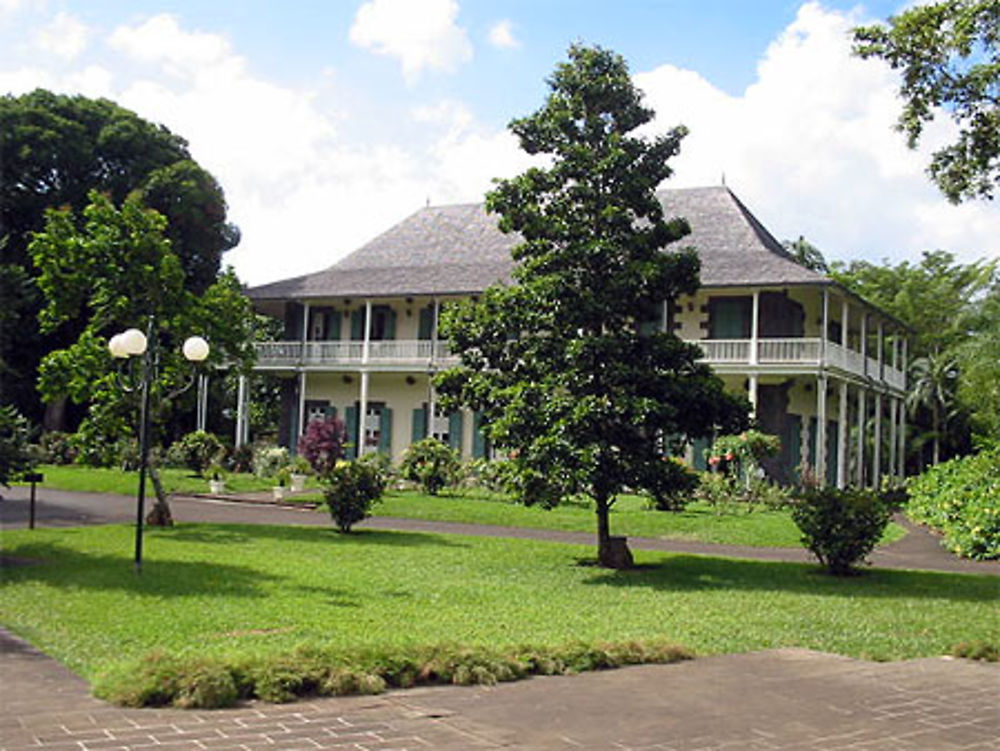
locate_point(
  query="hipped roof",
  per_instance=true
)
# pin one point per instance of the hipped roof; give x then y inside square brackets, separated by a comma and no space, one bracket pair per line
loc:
[444,250]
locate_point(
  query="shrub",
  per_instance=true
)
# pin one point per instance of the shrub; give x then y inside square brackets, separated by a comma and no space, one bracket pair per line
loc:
[840,527]
[961,499]
[431,463]
[267,460]
[382,464]
[676,486]
[351,490]
[196,451]
[14,431]
[240,459]
[323,444]
[56,448]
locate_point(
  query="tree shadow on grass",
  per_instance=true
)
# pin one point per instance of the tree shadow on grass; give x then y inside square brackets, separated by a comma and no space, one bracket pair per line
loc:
[237,534]
[69,568]
[684,573]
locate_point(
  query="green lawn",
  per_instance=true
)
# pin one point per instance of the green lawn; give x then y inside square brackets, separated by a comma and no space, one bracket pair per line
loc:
[239,591]
[630,515]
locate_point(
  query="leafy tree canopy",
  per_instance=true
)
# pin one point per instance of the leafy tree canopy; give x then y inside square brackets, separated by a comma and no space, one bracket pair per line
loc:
[806,254]
[581,395]
[54,150]
[119,271]
[949,56]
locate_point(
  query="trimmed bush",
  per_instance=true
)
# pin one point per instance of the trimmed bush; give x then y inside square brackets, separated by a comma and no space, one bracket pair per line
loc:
[840,527]
[196,451]
[431,463]
[159,680]
[56,448]
[351,490]
[268,460]
[323,444]
[961,499]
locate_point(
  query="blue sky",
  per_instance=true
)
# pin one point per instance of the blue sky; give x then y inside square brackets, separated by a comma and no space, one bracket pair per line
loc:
[327,121]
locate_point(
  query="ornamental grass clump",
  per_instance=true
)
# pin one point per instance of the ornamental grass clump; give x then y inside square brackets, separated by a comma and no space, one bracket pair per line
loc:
[840,527]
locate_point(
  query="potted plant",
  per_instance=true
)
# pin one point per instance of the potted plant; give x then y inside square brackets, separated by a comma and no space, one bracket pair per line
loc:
[216,478]
[278,491]
[298,470]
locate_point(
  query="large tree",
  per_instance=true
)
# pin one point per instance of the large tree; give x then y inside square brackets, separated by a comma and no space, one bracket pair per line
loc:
[949,56]
[574,388]
[54,149]
[119,270]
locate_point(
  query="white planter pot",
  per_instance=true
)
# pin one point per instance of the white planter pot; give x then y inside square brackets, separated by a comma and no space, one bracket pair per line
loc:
[216,486]
[298,483]
[278,493]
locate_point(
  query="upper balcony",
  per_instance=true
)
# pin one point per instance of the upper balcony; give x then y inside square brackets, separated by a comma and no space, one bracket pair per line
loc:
[794,355]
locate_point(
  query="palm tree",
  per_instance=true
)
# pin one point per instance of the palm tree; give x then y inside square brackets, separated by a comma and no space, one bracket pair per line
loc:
[933,386]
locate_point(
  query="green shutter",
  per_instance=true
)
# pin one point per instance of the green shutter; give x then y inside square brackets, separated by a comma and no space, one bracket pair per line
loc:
[698,447]
[832,446]
[358,325]
[390,325]
[351,423]
[419,429]
[731,318]
[426,327]
[455,430]
[333,325]
[385,431]
[813,456]
[478,438]
[794,449]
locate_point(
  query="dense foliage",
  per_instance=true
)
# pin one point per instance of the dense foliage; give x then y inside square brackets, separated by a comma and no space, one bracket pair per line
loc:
[14,433]
[196,451]
[948,53]
[55,150]
[573,387]
[840,527]
[961,499]
[431,463]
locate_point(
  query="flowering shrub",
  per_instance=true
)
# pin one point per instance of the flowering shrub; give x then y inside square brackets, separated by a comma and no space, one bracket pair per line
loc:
[323,444]
[351,490]
[267,460]
[737,480]
[431,463]
[743,452]
[961,499]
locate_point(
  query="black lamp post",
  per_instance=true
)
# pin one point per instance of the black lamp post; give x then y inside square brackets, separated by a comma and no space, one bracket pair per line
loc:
[134,343]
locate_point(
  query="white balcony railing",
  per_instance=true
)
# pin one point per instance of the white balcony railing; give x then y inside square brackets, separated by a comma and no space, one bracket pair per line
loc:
[396,352]
[807,352]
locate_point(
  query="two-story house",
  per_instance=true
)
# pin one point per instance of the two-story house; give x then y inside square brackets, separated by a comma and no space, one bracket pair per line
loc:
[823,369]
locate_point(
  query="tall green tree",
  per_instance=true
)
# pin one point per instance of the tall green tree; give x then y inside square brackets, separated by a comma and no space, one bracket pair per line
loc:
[579,394]
[949,56]
[54,149]
[118,271]
[806,254]
[934,388]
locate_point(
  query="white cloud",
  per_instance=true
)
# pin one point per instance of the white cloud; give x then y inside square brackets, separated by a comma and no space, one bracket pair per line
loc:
[421,34]
[502,36]
[65,36]
[10,7]
[161,41]
[810,147]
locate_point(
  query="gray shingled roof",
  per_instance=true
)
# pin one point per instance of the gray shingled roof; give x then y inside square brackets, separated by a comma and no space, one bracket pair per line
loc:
[459,250]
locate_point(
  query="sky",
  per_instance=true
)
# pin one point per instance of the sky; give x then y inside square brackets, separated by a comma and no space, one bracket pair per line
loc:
[327,121]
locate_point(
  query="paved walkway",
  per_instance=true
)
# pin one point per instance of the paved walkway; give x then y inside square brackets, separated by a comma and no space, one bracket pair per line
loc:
[779,700]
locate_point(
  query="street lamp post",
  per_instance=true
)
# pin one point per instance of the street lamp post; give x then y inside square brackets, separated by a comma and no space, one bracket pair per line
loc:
[133,343]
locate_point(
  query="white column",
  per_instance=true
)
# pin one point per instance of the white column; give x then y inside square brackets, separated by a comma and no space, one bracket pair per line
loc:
[362,412]
[365,347]
[754,327]
[879,350]
[431,405]
[877,458]
[434,329]
[752,393]
[842,446]
[302,406]
[861,437]
[826,325]
[821,429]
[666,317]
[845,323]
[893,432]
[864,343]
[241,411]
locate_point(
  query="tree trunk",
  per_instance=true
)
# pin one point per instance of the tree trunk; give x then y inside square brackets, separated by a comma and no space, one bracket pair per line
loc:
[937,438]
[159,515]
[612,552]
[55,415]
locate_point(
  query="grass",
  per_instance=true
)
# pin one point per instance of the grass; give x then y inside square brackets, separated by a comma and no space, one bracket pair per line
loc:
[630,515]
[107,480]
[237,593]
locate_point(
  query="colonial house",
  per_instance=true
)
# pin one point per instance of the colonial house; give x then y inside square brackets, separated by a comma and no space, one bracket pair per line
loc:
[823,369]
